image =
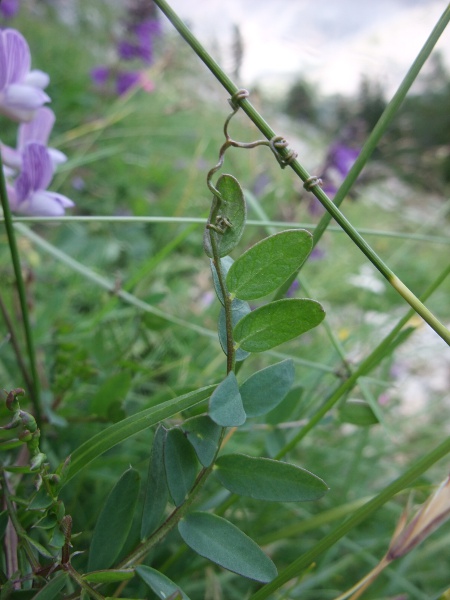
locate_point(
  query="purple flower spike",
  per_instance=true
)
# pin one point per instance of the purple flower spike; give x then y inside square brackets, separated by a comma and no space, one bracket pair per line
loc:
[100,75]
[30,195]
[342,158]
[20,89]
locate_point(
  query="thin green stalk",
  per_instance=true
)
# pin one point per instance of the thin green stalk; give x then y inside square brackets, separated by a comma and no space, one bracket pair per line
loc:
[333,210]
[34,391]
[365,366]
[360,515]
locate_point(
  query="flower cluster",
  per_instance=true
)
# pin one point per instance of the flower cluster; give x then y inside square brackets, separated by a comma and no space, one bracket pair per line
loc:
[135,44]
[338,162]
[30,166]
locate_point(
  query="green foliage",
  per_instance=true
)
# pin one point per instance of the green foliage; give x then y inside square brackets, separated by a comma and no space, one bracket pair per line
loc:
[264,390]
[222,542]
[155,498]
[266,479]
[114,522]
[180,462]
[225,405]
[160,584]
[204,436]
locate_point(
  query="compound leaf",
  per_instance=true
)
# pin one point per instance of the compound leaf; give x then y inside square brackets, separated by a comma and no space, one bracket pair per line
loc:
[114,522]
[233,210]
[265,389]
[267,479]
[277,322]
[223,543]
[267,264]
[225,404]
[180,462]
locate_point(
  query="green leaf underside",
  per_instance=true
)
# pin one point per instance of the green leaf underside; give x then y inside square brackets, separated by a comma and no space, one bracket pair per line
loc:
[265,389]
[357,412]
[159,583]
[114,522]
[266,265]
[239,309]
[109,575]
[276,323]
[204,435]
[234,209]
[113,435]
[223,543]
[225,404]
[181,464]
[267,479]
[156,492]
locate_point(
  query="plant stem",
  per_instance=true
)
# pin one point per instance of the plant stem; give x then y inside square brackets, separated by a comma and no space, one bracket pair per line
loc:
[295,568]
[34,390]
[332,209]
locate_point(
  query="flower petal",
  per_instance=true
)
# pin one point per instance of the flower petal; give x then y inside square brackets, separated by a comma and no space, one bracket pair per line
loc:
[37,78]
[45,204]
[15,58]
[24,96]
[38,129]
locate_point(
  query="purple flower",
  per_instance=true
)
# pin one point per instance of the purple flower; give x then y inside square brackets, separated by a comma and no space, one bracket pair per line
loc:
[126,80]
[9,8]
[140,44]
[20,89]
[29,195]
[342,158]
[100,75]
[37,130]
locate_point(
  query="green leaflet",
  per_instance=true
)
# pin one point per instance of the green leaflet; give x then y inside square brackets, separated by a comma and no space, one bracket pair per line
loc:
[267,479]
[267,264]
[265,389]
[225,404]
[357,412]
[277,322]
[114,522]
[239,309]
[156,487]
[204,435]
[159,583]
[222,542]
[181,464]
[233,210]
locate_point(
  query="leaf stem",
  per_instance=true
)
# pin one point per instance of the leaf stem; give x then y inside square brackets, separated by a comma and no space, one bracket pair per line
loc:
[332,209]
[34,390]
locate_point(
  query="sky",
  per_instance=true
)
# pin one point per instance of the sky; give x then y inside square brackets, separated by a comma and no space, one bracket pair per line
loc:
[330,42]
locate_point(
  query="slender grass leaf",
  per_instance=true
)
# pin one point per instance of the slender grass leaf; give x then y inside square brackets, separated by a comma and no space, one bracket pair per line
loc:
[113,435]
[180,461]
[225,404]
[156,492]
[52,588]
[233,210]
[159,583]
[204,435]
[267,479]
[265,389]
[239,308]
[267,264]
[223,543]
[109,575]
[114,522]
[357,412]
[277,322]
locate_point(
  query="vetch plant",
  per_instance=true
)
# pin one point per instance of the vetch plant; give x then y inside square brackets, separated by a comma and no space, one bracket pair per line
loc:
[216,497]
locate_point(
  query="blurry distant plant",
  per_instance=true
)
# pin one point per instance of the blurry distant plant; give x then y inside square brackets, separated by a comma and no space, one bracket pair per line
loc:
[301,102]
[136,42]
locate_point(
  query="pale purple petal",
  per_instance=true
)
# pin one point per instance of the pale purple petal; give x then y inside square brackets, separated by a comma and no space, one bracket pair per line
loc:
[23,96]
[15,58]
[57,157]
[127,80]
[44,204]
[12,197]
[9,8]
[38,129]
[37,78]
[10,157]
[37,170]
